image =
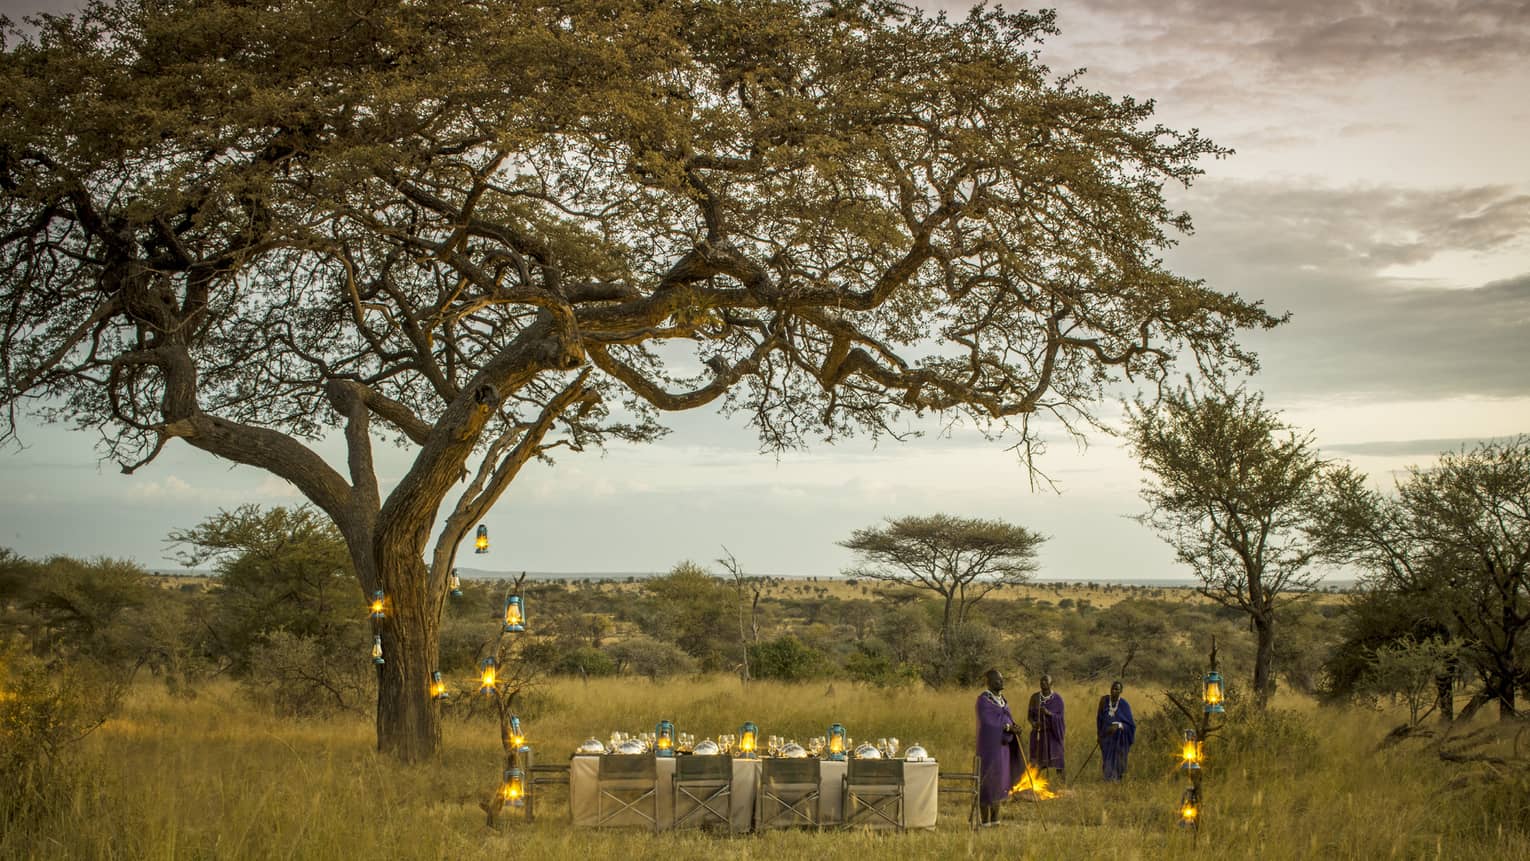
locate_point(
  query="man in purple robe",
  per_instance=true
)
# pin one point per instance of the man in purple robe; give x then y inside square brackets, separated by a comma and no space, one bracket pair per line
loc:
[1116,730]
[998,749]
[1045,715]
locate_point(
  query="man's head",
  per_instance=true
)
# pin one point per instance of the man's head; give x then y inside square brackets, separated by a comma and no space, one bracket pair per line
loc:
[1046,683]
[1115,688]
[995,680]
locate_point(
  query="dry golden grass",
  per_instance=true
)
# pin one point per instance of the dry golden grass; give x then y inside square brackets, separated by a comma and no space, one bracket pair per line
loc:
[213,778]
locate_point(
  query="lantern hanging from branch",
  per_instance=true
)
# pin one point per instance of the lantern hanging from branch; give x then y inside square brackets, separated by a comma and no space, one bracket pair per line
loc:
[748,740]
[515,737]
[486,673]
[513,788]
[664,739]
[515,615]
[377,657]
[1190,809]
[438,686]
[455,583]
[379,605]
[837,741]
[1212,694]
[481,543]
[1191,752]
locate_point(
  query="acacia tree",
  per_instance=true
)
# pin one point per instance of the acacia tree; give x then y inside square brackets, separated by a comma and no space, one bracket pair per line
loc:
[488,230]
[1233,490]
[1451,547]
[961,559]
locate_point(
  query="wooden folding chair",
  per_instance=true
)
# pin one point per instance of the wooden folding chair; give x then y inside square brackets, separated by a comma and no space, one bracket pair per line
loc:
[873,793]
[787,796]
[703,790]
[627,785]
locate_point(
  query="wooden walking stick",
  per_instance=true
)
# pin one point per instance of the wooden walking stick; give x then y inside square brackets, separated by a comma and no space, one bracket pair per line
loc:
[1087,759]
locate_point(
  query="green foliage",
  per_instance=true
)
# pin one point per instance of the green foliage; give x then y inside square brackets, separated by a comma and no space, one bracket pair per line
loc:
[786,659]
[302,676]
[697,612]
[653,659]
[1410,669]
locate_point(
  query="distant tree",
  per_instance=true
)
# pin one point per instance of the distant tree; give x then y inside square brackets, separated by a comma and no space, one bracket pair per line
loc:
[1452,547]
[1233,490]
[490,231]
[786,658]
[694,610]
[960,559]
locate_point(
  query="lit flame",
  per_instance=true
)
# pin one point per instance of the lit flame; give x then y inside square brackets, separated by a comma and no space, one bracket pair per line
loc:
[1034,782]
[664,742]
[517,740]
[1188,812]
[512,790]
[1213,693]
[836,744]
[746,744]
[1192,753]
[513,614]
[438,689]
[488,679]
[377,607]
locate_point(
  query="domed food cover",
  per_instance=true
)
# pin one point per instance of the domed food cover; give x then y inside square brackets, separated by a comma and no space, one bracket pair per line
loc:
[794,751]
[867,750]
[706,747]
[591,745]
[916,753]
[631,747]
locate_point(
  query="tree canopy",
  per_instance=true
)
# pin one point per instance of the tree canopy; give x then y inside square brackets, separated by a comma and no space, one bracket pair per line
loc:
[491,230]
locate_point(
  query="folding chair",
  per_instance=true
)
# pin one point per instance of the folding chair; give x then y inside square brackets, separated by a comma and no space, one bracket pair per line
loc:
[874,793]
[963,783]
[787,795]
[703,787]
[627,784]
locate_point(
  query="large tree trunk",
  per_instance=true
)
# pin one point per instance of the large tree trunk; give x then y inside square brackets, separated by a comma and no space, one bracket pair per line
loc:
[1264,658]
[1445,696]
[408,721]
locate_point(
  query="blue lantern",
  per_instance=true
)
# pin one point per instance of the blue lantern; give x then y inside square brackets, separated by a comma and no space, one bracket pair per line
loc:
[379,605]
[837,741]
[664,739]
[377,657]
[486,677]
[517,737]
[481,543]
[1190,809]
[1191,752]
[455,583]
[438,686]
[748,740]
[513,788]
[515,615]
[1212,694]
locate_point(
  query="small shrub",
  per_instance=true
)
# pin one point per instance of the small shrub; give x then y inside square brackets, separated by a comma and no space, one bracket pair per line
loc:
[786,659]
[302,676]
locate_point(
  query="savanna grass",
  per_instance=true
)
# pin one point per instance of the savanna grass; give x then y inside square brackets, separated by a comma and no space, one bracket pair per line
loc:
[214,777]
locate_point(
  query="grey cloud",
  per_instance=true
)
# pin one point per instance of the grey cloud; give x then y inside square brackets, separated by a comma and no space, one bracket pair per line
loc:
[1409,447]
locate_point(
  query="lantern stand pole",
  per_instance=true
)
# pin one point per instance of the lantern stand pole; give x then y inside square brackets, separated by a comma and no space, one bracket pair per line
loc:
[493,807]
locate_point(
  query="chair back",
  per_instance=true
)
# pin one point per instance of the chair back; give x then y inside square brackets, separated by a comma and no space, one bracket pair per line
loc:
[788,771]
[703,768]
[874,772]
[620,767]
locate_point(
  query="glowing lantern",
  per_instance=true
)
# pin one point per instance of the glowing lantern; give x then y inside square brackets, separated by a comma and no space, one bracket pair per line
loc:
[379,605]
[664,739]
[481,543]
[1213,693]
[455,583]
[515,615]
[437,686]
[748,740]
[516,737]
[1190,809]
[837,742]
[486,676]
[513,789]
[1192,752]
[377,657]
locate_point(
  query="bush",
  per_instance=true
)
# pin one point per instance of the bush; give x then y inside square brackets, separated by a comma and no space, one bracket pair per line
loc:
[645,656]
[301,676]
[786,659]
[586,661]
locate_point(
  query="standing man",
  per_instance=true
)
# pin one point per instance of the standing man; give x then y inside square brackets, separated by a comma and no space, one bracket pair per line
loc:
[1046,718]
[998,749]
[1116,730]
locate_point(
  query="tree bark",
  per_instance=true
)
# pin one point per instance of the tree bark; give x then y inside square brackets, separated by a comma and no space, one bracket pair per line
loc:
[408,721]
[1264,657]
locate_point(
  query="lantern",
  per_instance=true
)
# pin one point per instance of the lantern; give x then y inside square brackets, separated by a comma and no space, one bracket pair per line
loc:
[513,788]
[748,740]
[481,543]
[664,739]
[837,741]
[437,686]
[455,583]
[1213,693]
[1190,809]
[515,615]
[1192,752]
[515,736]
[377,657]
[379,605]
[486,675]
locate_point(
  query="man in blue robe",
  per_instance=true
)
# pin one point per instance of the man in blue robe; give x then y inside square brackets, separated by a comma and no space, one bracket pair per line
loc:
[1045,715]
[1117,730]
[998,749]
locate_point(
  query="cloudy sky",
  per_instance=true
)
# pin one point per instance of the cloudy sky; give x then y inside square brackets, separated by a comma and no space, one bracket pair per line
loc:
[1380,192]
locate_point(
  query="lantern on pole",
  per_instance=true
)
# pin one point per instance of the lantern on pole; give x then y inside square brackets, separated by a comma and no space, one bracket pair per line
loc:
[748,740]
[379,605]
[513,787]
[438,686]
[1190,809]
[664,739]
[1212,693]
[516,737]
[837,741]
[455,583]
[481,543]
[1192,752]
[515,615]
[377,657]
[486,673]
